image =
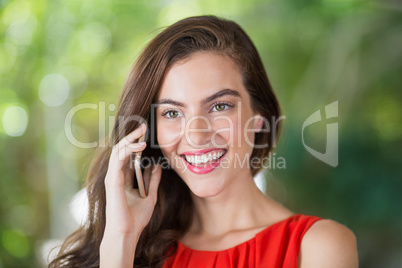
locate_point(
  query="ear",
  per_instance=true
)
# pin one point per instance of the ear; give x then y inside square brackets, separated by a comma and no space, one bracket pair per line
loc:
[258,122]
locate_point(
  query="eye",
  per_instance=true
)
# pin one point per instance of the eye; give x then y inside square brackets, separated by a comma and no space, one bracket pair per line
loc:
[221,106]
[170,114]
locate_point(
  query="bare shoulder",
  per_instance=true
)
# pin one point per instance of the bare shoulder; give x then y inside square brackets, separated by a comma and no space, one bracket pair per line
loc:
[328,243]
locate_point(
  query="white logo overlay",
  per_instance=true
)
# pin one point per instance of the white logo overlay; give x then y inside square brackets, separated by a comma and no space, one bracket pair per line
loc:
[330,156]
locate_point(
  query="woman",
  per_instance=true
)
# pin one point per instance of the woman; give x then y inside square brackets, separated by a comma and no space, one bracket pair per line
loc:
[208,103]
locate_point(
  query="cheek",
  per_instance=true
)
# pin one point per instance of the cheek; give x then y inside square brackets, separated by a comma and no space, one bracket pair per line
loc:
[247,135]
[224,131]
[243,139]
[169,134]
[165,138]
[234,131]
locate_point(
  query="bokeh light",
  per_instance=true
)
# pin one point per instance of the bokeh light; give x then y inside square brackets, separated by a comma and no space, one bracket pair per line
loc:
[95,38]
[16,243]
[15,120]
[54,89]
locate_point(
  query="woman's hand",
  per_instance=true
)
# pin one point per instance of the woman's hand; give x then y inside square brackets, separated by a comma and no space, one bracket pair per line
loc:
[127,213]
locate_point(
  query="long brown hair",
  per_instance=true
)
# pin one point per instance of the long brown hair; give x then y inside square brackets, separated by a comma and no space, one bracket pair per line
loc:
[173,211]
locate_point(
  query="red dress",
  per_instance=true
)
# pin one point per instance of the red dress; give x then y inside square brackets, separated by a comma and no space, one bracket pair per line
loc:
[276,246]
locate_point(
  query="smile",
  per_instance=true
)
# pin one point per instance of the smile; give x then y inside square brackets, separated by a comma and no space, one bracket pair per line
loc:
[203,163]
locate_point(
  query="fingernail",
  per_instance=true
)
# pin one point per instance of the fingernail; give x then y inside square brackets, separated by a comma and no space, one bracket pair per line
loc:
[142,143]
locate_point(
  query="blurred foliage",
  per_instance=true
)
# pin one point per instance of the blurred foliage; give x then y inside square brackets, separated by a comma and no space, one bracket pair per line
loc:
[58,54]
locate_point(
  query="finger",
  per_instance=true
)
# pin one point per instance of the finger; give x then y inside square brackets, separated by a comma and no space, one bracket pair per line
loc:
[114,186]
[119,158]
[129,172]
[126,151]
[132,136]
[154,181]
[118,164]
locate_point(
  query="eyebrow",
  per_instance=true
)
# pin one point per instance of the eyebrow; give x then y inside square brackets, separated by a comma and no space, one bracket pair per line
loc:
[221,93]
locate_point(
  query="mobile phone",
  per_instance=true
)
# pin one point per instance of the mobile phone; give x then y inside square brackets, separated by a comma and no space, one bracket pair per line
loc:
[138,172]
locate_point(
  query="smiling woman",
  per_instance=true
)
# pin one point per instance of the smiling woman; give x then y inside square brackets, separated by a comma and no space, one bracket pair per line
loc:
[204,83]
[202,91]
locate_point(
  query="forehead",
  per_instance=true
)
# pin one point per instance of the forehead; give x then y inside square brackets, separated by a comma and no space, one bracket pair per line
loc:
[201,75]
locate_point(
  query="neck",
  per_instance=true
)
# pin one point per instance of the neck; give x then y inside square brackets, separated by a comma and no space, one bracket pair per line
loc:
[241,207]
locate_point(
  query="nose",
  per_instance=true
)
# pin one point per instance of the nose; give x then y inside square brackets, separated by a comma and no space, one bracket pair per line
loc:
[198,131]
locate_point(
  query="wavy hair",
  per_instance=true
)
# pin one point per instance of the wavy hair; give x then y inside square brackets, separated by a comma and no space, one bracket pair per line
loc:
[172,215]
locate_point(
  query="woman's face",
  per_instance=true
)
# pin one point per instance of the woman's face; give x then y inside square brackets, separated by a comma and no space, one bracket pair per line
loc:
[205,124]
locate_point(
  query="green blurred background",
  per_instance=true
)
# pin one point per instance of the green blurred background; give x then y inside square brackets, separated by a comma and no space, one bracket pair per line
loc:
[55,55]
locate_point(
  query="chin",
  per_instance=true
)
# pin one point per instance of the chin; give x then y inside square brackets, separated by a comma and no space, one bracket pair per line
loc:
[205,189]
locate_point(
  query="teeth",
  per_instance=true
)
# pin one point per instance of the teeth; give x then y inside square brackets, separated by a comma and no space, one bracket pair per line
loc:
[197,160]
[202,159]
